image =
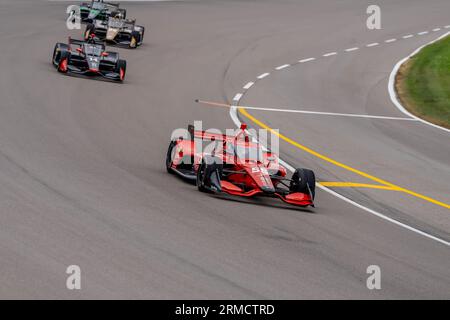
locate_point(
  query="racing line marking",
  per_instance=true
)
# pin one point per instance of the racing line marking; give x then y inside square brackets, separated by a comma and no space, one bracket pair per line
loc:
[307,60]
[352,115]
[339,164]
[237,97]
[248,85]
[282,67]
[340,184]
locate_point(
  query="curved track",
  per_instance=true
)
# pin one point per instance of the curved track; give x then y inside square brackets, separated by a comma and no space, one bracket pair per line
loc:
[82,177]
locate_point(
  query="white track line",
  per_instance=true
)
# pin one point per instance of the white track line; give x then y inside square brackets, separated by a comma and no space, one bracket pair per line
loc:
[393,93]
[307,60]
[423,33]
[237,122]
[372,44]
[351,49]
[329,54]
[391,40]
[408,36]
[284,66]
[237,97]
[248,85]
[437,29]
[262,76]
[351,115]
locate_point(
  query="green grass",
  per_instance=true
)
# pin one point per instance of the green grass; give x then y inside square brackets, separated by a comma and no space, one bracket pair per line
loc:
[423,83]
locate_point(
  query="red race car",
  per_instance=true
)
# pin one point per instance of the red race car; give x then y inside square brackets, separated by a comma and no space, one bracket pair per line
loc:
[237,166]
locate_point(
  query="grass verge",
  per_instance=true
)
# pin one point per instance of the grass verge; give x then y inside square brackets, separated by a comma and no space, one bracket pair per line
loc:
[423,83]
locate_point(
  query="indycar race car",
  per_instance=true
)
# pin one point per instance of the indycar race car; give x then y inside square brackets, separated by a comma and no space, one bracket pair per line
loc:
[237,166]
[116,30]
[100,10]
[88,58]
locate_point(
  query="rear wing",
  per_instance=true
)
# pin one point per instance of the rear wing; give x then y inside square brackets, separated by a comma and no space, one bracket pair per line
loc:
[75,41]
[211,136]
[207,136]
[81,42]
[111,4]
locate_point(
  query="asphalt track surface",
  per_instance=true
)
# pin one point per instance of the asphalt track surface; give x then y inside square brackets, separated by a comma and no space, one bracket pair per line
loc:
[82,177]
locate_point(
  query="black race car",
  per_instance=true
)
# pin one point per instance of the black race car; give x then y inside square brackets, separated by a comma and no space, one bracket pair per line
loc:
[88,58]
[117,30]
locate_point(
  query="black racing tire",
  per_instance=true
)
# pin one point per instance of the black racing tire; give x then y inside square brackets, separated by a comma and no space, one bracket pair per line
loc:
[210,168]
[141,35]
[169,156]
[65,55]
[134,40]
[59,47]
[90,29]
[304,181]
[311,180]
[201,178]
[121,66]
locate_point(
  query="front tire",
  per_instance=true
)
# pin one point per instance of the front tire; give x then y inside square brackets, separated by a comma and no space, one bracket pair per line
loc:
[141,31]
[121,69]
[209,175]
[304,181]
[59,48]
[63,62]
[135,39]
[201,178]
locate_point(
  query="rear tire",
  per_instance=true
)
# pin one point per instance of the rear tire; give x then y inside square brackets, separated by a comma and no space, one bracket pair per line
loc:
[304,181]
[169,156]
[90,29]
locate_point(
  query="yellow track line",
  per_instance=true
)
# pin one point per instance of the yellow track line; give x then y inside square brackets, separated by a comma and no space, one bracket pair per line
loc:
[339,164]
[339,184]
